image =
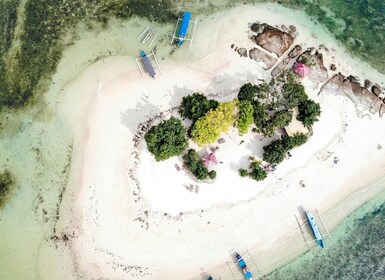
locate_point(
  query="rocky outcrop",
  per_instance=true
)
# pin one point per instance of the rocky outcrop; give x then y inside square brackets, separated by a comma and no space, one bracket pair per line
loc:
[260,56]
[364,100]
[272,39]
[242,52]
[295,51]
[376,89]
[314,59]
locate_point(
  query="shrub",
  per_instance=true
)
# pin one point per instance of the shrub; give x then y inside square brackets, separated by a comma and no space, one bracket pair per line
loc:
[243,172]
[245,116]
[196,166]
[212,174]
[196,106]
[247,92]
[207,129]
[166,139]
[309,111]
[258,173]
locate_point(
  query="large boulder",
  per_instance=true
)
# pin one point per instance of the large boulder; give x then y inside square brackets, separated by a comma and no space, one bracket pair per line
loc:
[260,56]
[295,51]
[273,40]
[363,99]
[376,89]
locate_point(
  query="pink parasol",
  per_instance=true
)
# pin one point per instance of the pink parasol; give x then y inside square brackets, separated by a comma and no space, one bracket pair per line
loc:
[210,160]
[301,69]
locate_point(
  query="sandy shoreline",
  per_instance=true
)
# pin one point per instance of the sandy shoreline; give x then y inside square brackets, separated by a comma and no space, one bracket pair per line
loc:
[109,217]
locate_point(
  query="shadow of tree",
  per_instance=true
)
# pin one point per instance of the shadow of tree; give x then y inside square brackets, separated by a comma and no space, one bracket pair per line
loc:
[131,119]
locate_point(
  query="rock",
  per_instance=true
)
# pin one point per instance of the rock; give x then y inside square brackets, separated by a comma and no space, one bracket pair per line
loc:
[256,27]
[242,52]
[376,89]
[232,46]
[367,83]
[295,51]
[351,78]
[293,28]
[363,99]
[261,56]
[333,67]
[274,40]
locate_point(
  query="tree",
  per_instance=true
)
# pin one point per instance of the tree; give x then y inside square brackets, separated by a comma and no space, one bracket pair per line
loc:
[280,119]
[166,139]
[275,152]
[247,92]
[245,116]
[196,166]
[294,94]
[309,111]
[260,114]
[196,106]
[207,129]
[257,173]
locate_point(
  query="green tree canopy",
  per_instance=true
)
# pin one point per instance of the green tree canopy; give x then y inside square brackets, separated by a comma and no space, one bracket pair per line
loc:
[196,106]
[276,150]
[260,113]
[257,173]
[196,166]
[207,129]
[280,119]
[294,94]
[166,139]
[309,111]
[247,92]
[245,116]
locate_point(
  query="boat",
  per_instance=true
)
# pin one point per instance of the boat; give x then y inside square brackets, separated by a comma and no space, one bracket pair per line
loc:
[184,27]
[147,64]
[315,229]
[246,272]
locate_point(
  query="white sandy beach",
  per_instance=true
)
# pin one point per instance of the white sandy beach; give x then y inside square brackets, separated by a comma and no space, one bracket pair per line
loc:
[120,231]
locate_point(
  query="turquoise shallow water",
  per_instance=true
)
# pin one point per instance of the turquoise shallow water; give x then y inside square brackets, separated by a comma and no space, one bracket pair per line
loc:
[355,251]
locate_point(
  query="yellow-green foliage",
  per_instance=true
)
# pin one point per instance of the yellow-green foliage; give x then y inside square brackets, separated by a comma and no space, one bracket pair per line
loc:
[207,129]
[245,116]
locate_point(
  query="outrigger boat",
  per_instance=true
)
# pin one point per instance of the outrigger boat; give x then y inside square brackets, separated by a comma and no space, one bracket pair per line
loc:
[315,229]
[245,269]
[184,27]
[147,64]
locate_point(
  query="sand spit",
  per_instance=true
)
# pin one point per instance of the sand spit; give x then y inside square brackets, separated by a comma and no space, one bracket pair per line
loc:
[132,218]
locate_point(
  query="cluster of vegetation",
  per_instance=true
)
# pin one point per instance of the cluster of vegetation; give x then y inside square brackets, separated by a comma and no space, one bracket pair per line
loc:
[255,171]
[38,50]
[275,152]
[273,102]
[245,116]
[309,111]
[166,139]
[6,183]
[196,106]
[306,60]
[208,128]
[196,166]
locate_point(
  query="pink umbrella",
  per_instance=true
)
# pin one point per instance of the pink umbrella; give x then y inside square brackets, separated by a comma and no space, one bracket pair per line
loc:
[301,69]
[210,160]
